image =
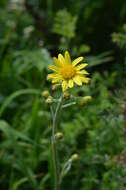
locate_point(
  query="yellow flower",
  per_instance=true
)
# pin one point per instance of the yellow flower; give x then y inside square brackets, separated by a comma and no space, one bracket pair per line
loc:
[67,73]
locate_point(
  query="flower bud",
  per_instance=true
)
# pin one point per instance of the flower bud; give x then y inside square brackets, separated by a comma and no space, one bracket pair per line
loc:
[84,100]
[59,136]
[66,95]
[87,99]
[75,157]
[49,100]
[45,93]
[55,86]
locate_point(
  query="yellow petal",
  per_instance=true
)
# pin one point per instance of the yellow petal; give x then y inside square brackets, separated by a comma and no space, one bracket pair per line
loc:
[77,60]
[61,59]
[57,62]
[53,68]
[56,80]
[77,80]
[64,85]
[70,83]
[54,76]
[67,57]
[83,72]
[51,76]
[81,66]
[85,79]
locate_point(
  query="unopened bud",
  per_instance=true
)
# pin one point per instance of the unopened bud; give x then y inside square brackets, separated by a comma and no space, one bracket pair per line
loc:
[84,100]
[75,157]
[66,95]
[87,99]
[45,93]
[59,136]
[55,86]
[49,100]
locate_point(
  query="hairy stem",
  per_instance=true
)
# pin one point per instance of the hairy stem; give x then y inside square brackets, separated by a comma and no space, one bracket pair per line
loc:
[54,145]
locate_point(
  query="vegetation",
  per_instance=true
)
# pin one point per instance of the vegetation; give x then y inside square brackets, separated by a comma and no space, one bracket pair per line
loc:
[31,33]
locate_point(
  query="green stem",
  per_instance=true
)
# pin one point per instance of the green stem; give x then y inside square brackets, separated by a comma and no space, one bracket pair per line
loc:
[54,145]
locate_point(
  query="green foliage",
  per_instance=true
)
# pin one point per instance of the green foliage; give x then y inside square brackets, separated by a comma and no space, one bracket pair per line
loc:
[120,38]
[30,32]
[102,58]
[26,60]
[65,24]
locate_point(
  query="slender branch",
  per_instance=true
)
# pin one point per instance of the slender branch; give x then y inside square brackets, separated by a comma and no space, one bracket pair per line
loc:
[68,105]
[54,145]
[65,169]
[52,112]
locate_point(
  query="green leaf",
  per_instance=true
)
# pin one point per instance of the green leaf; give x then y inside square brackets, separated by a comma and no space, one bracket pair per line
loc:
[18,183]
[10,132]
[102,58]
[15,95]
[27,59]
[65,24]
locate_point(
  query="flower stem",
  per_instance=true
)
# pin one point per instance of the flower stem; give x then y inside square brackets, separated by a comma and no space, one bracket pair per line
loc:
[54,145]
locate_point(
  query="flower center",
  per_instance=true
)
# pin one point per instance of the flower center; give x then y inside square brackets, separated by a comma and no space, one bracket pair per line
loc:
[68,72]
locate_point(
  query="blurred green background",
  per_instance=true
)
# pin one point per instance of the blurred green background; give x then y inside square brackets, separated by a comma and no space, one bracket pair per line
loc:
[31,32]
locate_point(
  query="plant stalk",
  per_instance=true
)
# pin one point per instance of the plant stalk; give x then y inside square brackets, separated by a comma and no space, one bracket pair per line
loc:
[54,145]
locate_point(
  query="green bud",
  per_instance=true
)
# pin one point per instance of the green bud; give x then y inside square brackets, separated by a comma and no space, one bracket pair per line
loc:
[49,100]
[75,157]
[55,86]
[59,136]
[66,95]
[87,99]
[84,100]
[45,93]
